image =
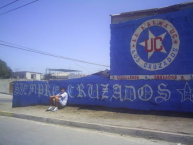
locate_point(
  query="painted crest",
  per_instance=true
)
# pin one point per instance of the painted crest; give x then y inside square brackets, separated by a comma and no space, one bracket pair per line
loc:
[155,44]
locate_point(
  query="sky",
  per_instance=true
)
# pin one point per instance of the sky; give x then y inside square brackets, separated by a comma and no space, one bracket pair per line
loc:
[78,29]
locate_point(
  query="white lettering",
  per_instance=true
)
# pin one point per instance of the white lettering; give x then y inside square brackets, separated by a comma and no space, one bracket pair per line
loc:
[116,92]
[163,96]
[145,93]
[105,90]
[70,87]
[81,91]
[130,93]
[92,92]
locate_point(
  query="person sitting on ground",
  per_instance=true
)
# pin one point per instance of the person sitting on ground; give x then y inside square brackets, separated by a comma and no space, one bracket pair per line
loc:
[59,100]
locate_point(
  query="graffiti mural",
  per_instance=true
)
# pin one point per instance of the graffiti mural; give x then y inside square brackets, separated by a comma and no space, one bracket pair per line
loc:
[151,69]
[97,90]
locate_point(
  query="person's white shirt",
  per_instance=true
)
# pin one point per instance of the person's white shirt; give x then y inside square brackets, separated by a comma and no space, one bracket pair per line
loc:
[64,97]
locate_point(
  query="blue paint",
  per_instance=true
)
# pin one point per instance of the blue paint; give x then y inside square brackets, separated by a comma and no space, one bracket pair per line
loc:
[162,95]
[122,62]
[165,95]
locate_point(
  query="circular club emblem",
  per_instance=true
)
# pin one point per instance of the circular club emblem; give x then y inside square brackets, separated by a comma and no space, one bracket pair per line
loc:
[155,44]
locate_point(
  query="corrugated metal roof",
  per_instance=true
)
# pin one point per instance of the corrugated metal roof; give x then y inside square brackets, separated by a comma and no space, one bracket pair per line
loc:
[61,74]
[63,70]
[117,18]
[26,72]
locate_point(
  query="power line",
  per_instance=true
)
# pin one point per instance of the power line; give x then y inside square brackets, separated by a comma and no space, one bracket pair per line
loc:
[18,7]
[72,61]
[49,54]
[41,53]
[31,49]
[8,4]
[82,67]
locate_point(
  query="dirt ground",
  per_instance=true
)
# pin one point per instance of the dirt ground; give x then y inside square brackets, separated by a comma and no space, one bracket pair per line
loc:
[152,120]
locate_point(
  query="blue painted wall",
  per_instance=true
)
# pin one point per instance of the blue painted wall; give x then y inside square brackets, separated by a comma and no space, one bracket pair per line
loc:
[122,62]
[164,95]
[97,90]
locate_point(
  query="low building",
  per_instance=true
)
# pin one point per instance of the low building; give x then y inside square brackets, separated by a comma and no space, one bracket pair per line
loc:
[63,76]
[27,75]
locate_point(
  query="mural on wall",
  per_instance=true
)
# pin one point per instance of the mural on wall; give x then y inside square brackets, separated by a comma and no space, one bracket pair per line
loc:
[156,45]
[97,90]
[151,69]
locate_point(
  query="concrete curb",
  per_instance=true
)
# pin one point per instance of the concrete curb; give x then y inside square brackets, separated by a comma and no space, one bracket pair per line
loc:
[144,133]
[6,93]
